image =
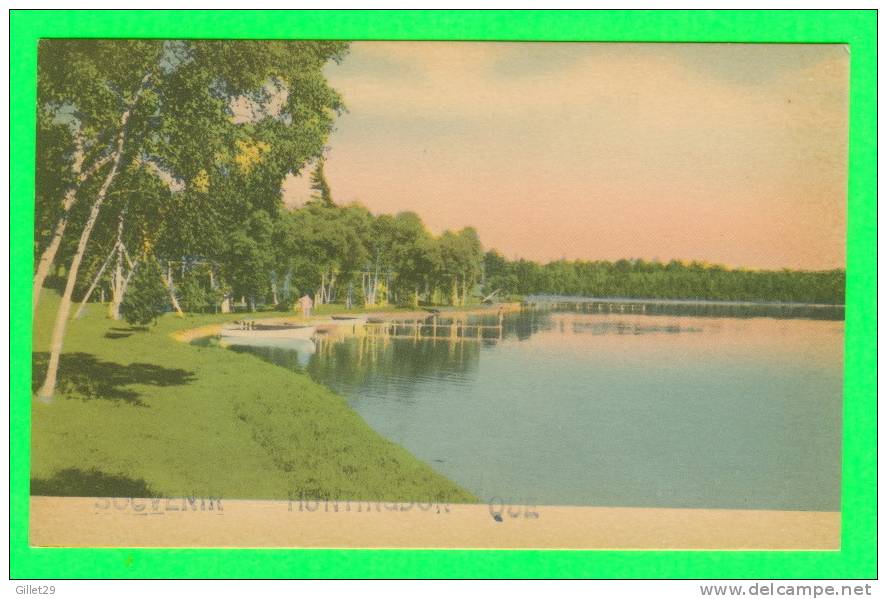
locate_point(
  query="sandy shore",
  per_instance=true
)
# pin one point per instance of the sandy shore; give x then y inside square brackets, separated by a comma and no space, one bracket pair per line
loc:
[103,522]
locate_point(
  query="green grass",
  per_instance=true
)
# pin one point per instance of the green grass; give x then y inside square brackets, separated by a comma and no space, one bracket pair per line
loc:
[138,413]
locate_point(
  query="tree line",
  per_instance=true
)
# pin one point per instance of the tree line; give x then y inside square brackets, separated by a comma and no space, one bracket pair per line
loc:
[661,280]
[341,254]
[346,254]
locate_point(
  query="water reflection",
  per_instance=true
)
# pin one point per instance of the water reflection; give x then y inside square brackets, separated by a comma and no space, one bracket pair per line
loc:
[689,308]
[395,366]
[294,354]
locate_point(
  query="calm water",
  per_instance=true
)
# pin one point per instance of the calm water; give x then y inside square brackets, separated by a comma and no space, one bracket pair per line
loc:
[609,409]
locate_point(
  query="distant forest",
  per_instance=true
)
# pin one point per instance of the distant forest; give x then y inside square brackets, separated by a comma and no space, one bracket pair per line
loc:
[661,280]
[346,254]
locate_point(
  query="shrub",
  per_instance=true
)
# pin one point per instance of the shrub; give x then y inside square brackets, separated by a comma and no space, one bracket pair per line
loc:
[193,296]
[146,298]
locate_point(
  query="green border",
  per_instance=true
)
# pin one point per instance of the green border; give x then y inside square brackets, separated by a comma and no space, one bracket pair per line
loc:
[856,559]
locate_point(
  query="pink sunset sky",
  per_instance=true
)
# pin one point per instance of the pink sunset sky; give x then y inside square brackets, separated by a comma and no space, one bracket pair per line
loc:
[726,153]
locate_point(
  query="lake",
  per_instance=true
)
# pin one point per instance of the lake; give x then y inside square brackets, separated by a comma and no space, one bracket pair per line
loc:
[572,406]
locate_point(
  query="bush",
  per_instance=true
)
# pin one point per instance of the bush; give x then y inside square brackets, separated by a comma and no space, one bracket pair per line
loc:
[286,299]
[146,298]
[193,297]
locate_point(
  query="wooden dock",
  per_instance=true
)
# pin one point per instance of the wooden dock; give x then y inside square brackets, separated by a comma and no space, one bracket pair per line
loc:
[422,329]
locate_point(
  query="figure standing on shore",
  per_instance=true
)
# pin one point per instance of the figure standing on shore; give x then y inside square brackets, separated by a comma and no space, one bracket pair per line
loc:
[306,304]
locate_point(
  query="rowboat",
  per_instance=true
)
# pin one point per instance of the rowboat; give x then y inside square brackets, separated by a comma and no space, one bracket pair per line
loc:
[349,318]
[270,331]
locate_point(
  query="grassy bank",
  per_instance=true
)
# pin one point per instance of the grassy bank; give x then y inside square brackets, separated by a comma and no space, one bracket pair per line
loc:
[140,414]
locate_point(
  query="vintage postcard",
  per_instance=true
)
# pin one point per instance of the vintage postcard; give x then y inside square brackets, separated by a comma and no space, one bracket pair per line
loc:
[438,294]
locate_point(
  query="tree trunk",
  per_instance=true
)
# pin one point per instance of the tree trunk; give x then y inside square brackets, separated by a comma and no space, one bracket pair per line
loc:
[375,288]
[47,390]
[48,256]
[168,283]
[95,282]
[330,287]
[117,279]
[126,280]
[365,287]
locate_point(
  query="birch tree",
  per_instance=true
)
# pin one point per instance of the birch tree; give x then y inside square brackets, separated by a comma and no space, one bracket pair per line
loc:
[89,87]
[170,102]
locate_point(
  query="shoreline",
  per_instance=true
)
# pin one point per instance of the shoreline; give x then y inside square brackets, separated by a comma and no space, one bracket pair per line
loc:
[462,313]
[566,299]
[389,316]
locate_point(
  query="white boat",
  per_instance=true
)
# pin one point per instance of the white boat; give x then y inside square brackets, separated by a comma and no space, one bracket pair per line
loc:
[269,331]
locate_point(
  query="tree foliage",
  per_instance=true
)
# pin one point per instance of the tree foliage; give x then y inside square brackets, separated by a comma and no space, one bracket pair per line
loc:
[218,124]
[320,186]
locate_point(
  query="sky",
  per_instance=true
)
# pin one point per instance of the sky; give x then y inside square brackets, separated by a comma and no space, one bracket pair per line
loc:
[726,153]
